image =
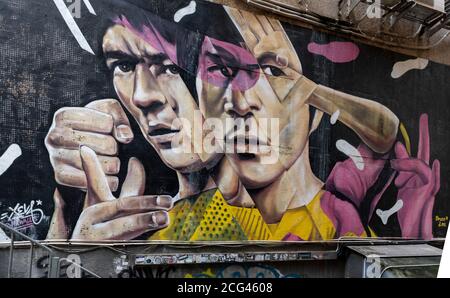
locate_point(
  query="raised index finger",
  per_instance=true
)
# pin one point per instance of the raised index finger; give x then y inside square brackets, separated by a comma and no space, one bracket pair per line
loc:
[423,151]
[97,184]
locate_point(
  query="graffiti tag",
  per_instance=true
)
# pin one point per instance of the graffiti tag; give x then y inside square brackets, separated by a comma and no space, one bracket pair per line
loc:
[23,216]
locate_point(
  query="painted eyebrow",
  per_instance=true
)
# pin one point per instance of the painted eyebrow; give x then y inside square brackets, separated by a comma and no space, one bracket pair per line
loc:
[231,61]
[217,58]
[154,59]
[223,54]
[119,55]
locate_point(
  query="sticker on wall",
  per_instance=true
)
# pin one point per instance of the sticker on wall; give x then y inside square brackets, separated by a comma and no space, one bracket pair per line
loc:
[334,118]
[384,215]
[7,159]
[182,12]
[402,67]
[335,51]
[349,150]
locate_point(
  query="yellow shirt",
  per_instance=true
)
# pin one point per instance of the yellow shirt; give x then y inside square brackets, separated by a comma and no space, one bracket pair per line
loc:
[209,218]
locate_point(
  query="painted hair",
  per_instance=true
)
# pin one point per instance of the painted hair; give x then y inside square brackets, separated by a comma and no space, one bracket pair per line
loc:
[154,23]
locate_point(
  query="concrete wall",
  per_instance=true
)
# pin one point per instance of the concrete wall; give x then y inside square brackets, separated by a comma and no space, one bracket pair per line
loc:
[294,260]
[118,262]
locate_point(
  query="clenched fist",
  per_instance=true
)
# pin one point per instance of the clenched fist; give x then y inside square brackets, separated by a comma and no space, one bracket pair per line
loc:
[100,126]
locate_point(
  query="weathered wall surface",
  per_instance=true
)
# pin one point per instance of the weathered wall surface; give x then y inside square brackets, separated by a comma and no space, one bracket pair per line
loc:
[191,121]
[287,260]
[329,8]
[120,262]
[116,262]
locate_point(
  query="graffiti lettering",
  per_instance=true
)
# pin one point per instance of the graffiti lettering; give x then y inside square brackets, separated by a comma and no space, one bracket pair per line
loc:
[243,271]
[23,216]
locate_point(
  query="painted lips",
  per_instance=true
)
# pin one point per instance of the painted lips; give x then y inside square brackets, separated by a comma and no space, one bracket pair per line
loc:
[248,144]
[162,133]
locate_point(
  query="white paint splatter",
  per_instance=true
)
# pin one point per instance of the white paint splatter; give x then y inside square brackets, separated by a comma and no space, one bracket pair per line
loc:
[70,22]
[402,67]
[351,152]
[10,155]
[182,12]
[89,7]
[384,215]
[334,118]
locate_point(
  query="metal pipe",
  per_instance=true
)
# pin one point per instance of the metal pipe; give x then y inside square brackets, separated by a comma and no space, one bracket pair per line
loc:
[13,231]
[31,260]
[11,256]
[11,249]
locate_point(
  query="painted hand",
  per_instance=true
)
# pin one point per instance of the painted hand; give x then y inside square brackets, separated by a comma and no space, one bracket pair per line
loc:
[100,125]
[353,183]
[123,218]
[417,185]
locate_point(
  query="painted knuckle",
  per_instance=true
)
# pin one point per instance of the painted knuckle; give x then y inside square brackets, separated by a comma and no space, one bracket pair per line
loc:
[100,144]
[60,115]
[106,101]
[61,176]
[111,165]
[145,220]
[165,202]
[148,203]
[111,102]
[109,145]
[113,183]
[121,205]
[55,137]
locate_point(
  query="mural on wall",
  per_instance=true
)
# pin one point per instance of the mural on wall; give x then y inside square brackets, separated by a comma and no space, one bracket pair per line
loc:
[191,121]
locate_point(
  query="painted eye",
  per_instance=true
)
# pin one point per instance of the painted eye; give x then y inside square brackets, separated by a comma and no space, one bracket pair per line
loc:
[273,71]
[226,72]
[171,69]
[126,66]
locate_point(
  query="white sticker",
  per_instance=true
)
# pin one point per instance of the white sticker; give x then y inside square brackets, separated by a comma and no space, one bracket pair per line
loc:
[182,12]
[334,118]
[351,152]
[10,155]
[384,215]
[402,67]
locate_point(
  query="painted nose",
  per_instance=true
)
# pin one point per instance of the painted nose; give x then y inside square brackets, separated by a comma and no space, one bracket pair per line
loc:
[147,94]
[242,103]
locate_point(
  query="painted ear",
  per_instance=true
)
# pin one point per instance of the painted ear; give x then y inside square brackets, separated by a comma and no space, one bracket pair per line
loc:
[318,115]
